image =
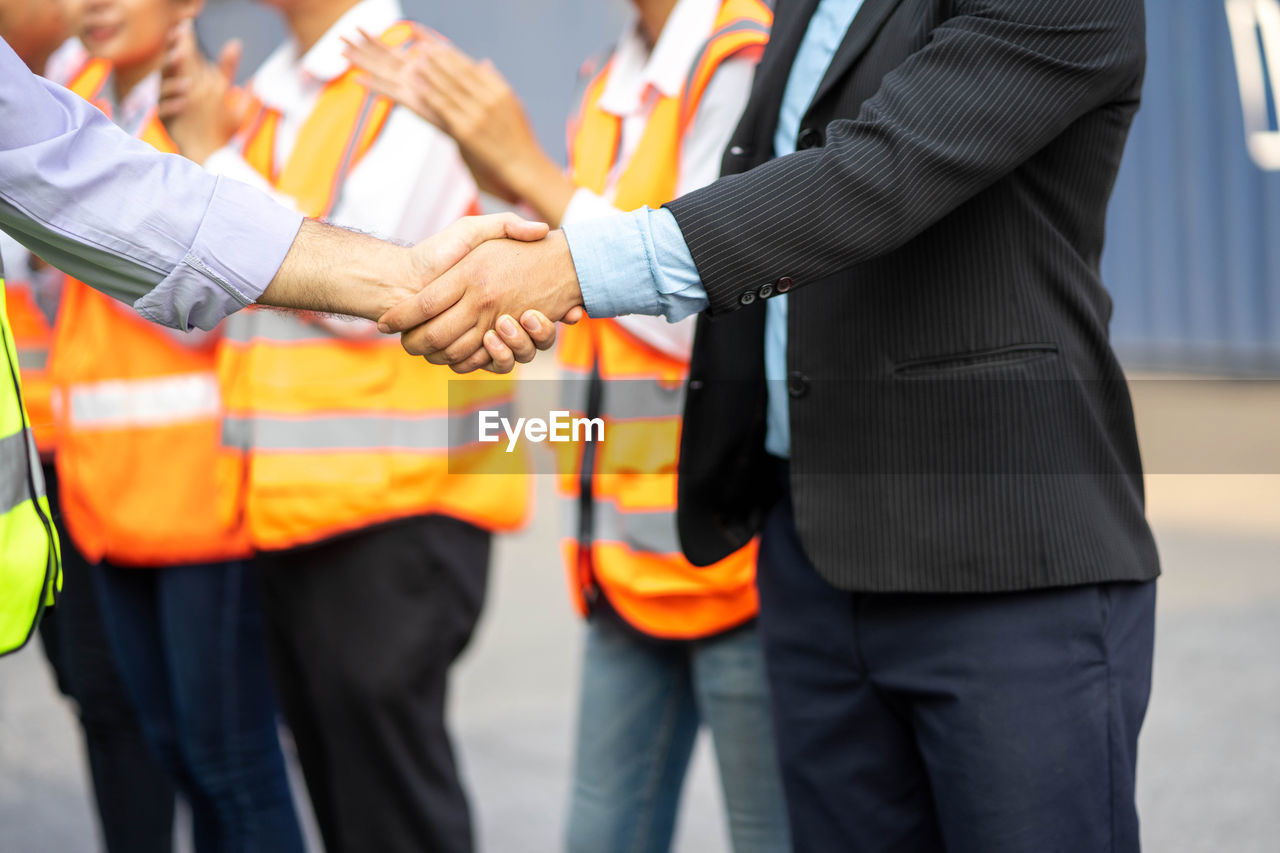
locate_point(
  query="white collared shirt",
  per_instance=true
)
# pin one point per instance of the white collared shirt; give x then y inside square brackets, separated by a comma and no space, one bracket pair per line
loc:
[411,184]
[637,77]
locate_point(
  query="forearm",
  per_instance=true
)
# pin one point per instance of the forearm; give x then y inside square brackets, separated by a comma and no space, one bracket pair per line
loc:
[183,247]
[336,271]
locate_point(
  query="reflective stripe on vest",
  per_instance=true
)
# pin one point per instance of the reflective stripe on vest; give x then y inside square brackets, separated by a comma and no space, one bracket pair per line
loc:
[117,403]
[339,433]
[30,565]
[32,336]
[626,544]
[144,478]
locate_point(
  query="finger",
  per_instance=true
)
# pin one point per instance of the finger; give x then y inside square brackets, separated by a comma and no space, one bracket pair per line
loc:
[436,332]
[461,347]
[521,344]
[171,107]
[576,313]
[448,98]
[501,358]
[179,43]
[436,255]
[541,330]
[480,361]
[229,60]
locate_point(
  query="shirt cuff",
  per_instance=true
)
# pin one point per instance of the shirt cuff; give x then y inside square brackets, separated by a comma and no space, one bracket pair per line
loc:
[237,251]
[614,259]
[635,263]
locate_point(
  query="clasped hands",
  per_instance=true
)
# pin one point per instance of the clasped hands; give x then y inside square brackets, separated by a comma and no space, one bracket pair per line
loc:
[481,274]
[454,298]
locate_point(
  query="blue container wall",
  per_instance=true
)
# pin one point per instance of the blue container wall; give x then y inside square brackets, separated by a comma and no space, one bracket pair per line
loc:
[1193,247]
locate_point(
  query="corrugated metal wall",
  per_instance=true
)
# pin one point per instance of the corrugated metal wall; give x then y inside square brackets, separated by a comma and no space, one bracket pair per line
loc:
[1193,252]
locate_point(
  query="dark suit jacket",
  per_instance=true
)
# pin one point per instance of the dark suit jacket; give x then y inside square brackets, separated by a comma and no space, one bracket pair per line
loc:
[959,422]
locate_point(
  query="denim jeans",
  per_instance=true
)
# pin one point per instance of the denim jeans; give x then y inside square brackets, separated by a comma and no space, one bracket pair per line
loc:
[133,793]
[641,703]
[189,644]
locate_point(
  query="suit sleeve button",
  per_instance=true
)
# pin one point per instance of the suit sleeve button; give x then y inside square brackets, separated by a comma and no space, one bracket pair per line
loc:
[766,290]
[785,283]
[809,138]
[747,298]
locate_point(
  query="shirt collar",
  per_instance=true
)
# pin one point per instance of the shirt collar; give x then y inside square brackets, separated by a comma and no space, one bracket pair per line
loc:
[635,68]
[324,61]
[136,107]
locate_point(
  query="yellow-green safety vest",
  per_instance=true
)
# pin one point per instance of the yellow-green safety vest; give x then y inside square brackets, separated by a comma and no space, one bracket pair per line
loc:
[30,562]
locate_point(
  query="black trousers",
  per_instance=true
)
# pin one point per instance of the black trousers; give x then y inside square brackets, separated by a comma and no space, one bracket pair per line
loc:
[965,723]
[362,630]
[133,793]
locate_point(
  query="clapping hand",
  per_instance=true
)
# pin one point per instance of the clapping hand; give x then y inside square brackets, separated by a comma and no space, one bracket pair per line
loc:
[471,102]
[199,104]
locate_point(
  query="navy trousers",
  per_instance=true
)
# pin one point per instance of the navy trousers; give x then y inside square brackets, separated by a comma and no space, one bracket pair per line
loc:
[966,723]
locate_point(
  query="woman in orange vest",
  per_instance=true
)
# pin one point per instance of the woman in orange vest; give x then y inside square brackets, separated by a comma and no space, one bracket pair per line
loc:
[669,646]
[145,491]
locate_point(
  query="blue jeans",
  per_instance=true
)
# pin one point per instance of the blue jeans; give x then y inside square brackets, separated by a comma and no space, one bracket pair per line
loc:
[640,705]
[188,641]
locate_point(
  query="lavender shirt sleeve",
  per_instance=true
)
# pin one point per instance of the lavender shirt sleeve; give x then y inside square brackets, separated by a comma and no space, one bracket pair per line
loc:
[183,247]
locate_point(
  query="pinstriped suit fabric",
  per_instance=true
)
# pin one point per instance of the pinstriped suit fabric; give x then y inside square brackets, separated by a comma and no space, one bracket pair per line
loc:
[959,422]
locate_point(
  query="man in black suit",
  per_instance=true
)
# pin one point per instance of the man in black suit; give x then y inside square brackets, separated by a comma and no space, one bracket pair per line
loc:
[934,436]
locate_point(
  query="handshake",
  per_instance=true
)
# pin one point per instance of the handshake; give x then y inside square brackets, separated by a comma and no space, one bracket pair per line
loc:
[484,293]
[482,273]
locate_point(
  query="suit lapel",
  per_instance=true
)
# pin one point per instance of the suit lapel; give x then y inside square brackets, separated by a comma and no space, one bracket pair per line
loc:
[791,19]
[866,24]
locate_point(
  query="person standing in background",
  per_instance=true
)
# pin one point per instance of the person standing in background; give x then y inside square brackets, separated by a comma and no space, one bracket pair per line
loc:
[373,535]
[132,792]
[146,490]
[670,647]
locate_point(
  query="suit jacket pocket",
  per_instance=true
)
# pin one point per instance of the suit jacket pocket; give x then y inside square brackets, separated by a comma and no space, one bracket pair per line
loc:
[977,361]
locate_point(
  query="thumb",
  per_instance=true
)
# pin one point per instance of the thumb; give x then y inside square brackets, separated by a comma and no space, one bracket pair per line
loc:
[229,59]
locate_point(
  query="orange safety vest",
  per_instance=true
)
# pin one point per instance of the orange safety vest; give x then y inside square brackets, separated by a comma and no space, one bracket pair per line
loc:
[144,480]
[341,434]
[32,337]
[622,491]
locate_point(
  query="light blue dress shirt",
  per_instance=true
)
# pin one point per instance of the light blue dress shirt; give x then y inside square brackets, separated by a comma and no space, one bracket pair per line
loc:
[152,229]
[638,263]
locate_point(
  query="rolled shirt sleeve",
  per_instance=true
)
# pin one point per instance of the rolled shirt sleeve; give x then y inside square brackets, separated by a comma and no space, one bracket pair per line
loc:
[635,263]
[183,247]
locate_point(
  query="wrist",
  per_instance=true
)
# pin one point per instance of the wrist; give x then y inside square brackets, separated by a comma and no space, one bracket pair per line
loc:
[566,293]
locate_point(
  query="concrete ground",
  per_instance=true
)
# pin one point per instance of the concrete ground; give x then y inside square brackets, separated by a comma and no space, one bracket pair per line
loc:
[1209,776]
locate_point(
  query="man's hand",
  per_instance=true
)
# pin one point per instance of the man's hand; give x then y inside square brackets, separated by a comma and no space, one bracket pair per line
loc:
[465,318]
[199,104]
[474,104]
[336,271]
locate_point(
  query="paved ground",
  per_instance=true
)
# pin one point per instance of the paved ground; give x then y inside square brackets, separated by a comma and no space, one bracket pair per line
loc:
[1210,764]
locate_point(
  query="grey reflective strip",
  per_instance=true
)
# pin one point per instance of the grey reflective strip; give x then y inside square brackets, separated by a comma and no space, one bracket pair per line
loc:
[33,359]
[161,401]
[652,531]
[372,433]
[245,326]
[19,464]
